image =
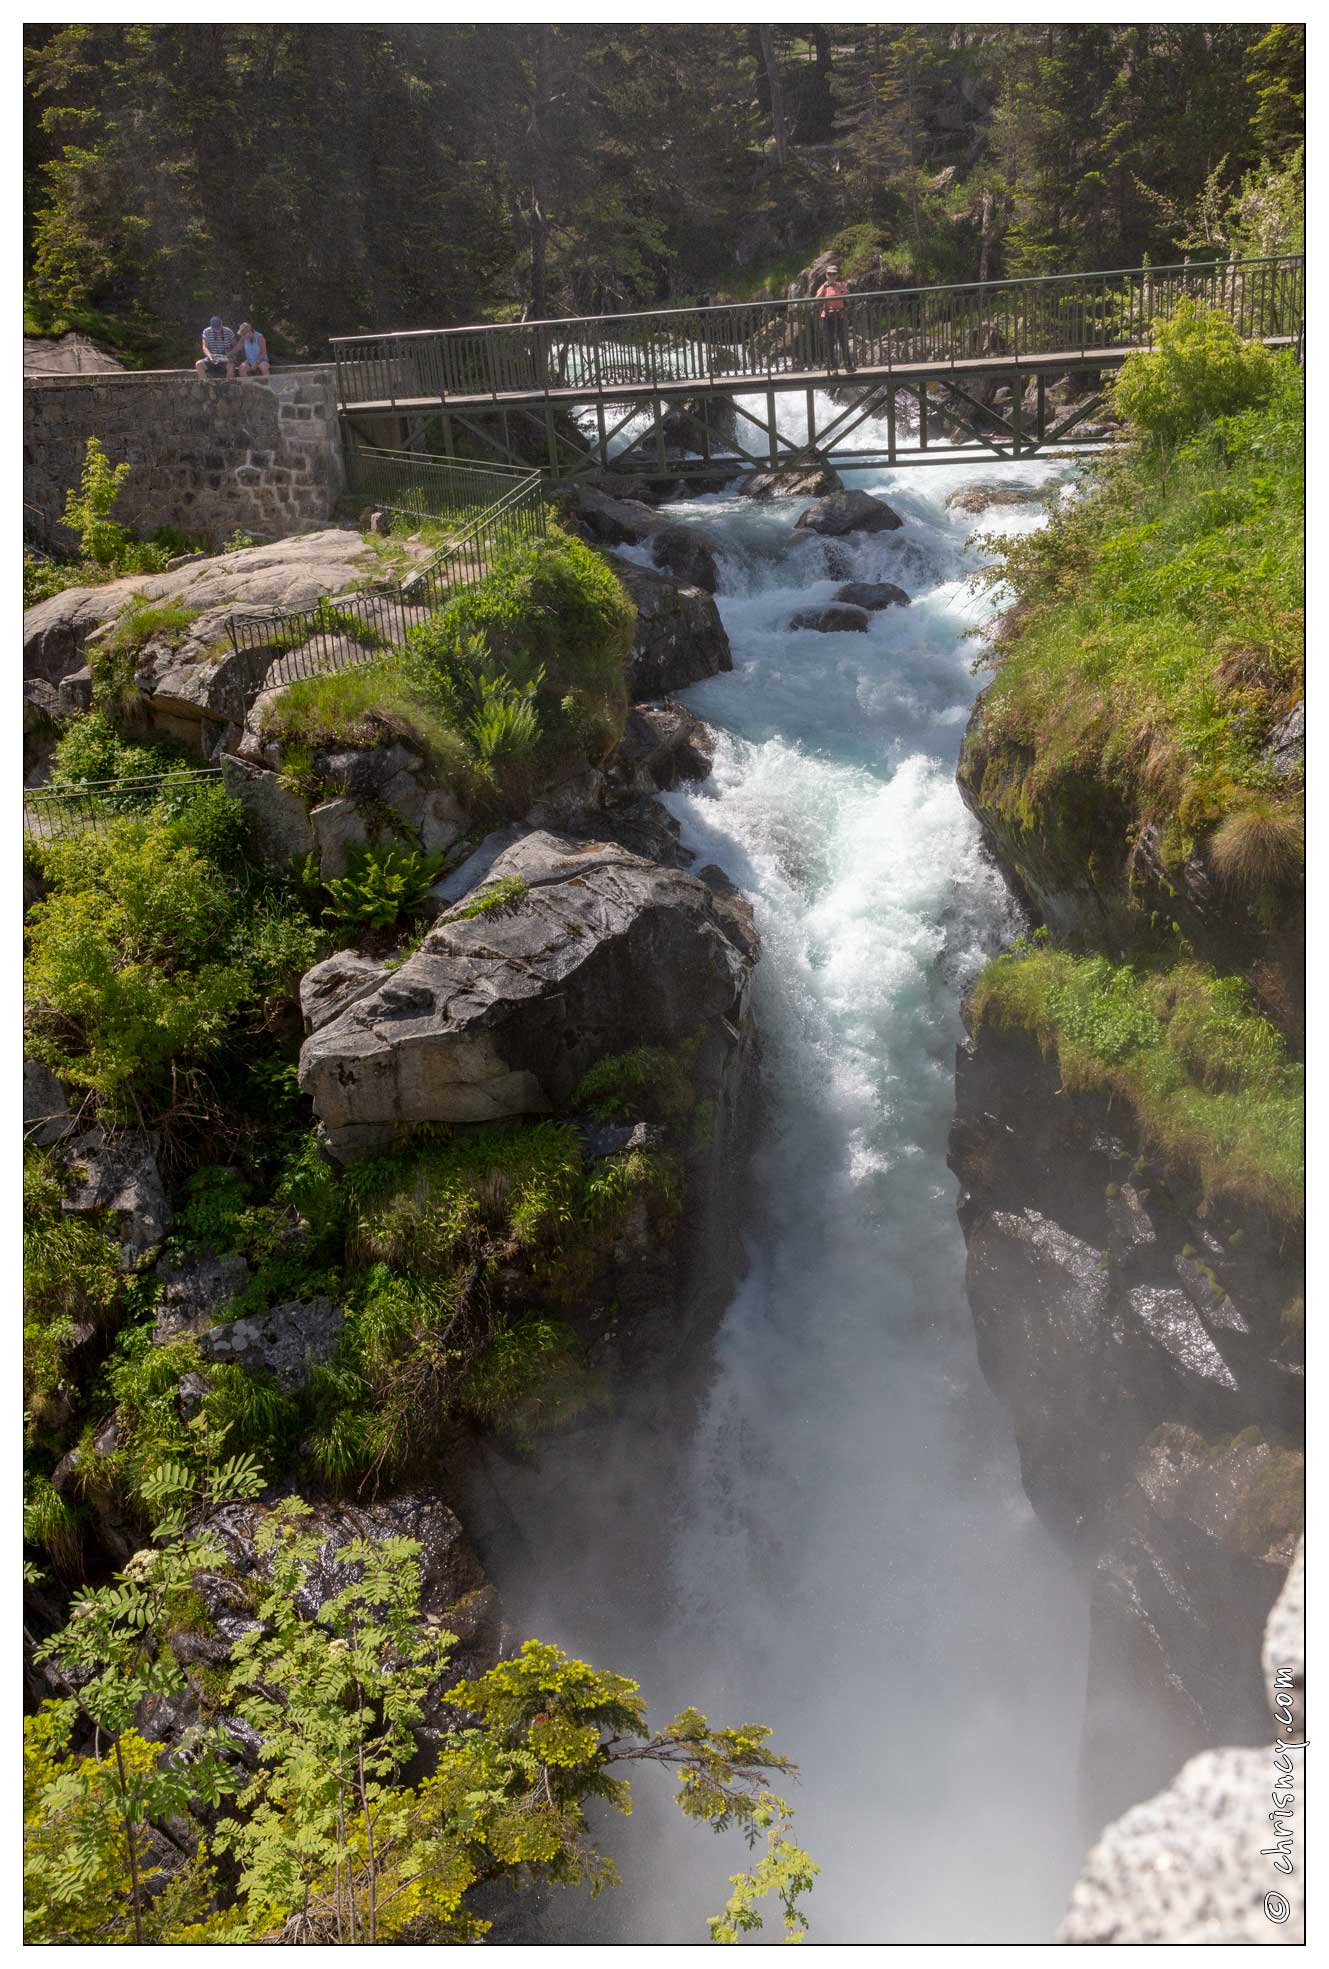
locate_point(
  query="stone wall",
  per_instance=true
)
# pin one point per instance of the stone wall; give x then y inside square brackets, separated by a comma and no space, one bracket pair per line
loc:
[264,457]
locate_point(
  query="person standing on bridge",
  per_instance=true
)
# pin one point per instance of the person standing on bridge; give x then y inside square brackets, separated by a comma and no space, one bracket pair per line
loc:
[835,334]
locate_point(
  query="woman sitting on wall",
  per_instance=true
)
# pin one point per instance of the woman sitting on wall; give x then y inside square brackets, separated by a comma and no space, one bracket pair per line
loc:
[250,354]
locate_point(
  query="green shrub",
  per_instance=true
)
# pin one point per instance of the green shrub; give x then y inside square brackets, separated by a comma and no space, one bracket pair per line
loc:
[381,886]
[145,953]
[1198,370]
[1209,1078]
[90,748]
[88,510]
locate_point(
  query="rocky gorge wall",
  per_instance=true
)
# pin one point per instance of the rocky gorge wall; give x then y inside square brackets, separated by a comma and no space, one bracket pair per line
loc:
[261,457]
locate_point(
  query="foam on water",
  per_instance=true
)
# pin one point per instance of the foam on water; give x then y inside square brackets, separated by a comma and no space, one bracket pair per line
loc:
[849,1556]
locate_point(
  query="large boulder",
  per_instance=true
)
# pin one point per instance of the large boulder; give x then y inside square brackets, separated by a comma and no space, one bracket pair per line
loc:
[1208,1860]
[978,495]
[848,512]
[501,1011]
[662,745]
[679,638]
[285,574]
[791,482]
[872,595]
[833,619]
[608,520]
[686,552]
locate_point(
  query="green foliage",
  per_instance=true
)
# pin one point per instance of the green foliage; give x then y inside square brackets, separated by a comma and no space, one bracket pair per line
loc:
[51,1523]
[71,1281]
[381,886]
[325,1840]
[650,1083]
[88,510]
[436,1238]
[80,1884]
[90,748]
[146,952]
[1155,638]
[491,899]
[511,684]
[1209,1079]
[1198,370]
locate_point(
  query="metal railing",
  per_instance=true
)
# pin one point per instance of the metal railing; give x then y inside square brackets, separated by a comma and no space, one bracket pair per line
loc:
[52,813]
[427,487]
[341,630]
[1071,315]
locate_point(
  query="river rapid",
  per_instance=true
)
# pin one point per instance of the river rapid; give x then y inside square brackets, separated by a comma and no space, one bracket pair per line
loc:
[837,1543]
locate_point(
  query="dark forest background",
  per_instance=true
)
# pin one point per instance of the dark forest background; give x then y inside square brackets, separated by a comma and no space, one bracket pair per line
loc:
[329,180]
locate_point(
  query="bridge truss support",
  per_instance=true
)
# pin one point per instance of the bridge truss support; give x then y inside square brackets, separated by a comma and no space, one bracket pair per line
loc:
[928,420]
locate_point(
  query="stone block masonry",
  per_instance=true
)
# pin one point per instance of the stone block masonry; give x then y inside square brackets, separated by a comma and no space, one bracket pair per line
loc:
[210,458]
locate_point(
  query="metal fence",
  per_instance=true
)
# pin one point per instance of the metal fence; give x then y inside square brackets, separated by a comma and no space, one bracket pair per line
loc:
[427,487]
[52,813]
[1071,315]
[342,630]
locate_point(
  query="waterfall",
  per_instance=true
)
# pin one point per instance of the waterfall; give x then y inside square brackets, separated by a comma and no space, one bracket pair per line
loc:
[839,1546]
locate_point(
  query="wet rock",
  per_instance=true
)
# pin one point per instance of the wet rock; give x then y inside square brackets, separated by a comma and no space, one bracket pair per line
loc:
[608,520]
[281,827]
[1195,1864]
[688,554]
[46,1116]
[793,482]
[117,1173]
[679,638]
[195,1292]
[1040,1294]
[981,496]
[831,620]
[848,512]
[662,745]
[1171,1322]
[1130,1224]
[501,1013]
[285,1342]
[872,595]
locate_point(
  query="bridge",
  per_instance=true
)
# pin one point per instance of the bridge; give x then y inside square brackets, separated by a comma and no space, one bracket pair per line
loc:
[916,353]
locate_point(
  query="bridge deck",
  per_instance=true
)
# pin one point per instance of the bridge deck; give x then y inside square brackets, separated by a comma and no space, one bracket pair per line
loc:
[756,383]
[906,336]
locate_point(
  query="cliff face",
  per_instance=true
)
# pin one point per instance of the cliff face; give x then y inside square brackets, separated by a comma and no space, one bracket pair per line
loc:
[1148,1348]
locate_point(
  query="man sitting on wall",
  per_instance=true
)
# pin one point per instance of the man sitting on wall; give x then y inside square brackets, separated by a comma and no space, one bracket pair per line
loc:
[218,342]
[249,357]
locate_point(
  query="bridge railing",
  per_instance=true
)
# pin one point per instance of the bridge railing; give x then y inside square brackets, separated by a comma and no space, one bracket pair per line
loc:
[426,487]
[1047,315]
[286,646]
[51,813]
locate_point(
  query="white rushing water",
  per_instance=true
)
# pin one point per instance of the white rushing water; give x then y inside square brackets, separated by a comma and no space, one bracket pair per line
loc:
[848,1555]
